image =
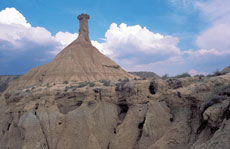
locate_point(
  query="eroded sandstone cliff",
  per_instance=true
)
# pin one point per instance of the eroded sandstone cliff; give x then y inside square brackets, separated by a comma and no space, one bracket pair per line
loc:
[161,114]
[84,100]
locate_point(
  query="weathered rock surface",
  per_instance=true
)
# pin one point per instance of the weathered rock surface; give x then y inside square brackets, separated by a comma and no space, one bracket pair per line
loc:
[79,61]
[142,114]
[226,70]
[4,81]
[51,108]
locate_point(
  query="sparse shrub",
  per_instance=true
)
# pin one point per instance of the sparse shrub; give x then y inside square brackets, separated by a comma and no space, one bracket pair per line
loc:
[91,84]
[121,84]
[199,75]
[82,84]
[183,75]
[164,77]
[209,75]
[217,73]
[69,87]
[126,80]
[105,82]
[65,82]
[116,67]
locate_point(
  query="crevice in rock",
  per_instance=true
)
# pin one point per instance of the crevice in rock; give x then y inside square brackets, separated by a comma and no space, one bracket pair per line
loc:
[79,103]
[97,91]
[70,97]
[212,101]
[36,108]
[140,127]
[202,126]
[179,94]
[122,110]
[108,146]
[43,131]
[8,126]
[227,115]
[115,131]
[65,108]
[153,88]
[213,130]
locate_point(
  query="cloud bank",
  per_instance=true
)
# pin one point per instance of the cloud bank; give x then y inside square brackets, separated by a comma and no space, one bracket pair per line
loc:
[136,48]
[23,46]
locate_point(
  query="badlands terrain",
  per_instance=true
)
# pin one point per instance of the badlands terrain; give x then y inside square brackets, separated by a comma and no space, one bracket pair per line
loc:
[84,100]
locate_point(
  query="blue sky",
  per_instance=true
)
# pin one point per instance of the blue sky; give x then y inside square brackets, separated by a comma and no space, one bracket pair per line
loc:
[163,36]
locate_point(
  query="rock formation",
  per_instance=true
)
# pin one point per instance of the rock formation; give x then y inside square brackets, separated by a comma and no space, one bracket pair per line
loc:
[226,70]
[79,61]
[4,80]
[191,113]
[176,113]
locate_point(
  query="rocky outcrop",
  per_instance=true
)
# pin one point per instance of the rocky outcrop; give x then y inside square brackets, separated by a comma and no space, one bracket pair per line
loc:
[142,114]
[226,70]
[79,61]
[84,100]
[4,81]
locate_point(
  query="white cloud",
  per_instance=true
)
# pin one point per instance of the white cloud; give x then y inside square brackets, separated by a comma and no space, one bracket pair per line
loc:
[194,72]
[65,38]
[133,47]
[214,9]
[17,34]
[11,16]
[218,34]
[169,66]
[122,40]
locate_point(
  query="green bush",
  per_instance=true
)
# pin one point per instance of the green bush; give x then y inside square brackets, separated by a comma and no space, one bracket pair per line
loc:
[91,84]
[183,75]
[164,77]
[217,73]
[82,84]
[65,82]
[105,82]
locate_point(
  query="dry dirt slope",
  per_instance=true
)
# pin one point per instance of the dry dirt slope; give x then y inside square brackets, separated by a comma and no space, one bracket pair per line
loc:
[142,114]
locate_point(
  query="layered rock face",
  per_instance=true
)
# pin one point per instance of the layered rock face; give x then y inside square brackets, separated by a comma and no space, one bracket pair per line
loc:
[77,101]
[4,80]
[191,113]
[79,61]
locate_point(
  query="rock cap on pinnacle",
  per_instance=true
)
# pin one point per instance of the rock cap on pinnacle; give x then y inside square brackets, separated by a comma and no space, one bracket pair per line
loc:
[84,29]
[79,61]
[83,16]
